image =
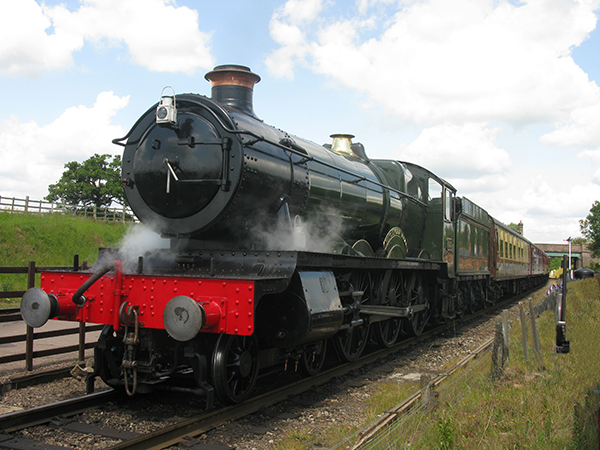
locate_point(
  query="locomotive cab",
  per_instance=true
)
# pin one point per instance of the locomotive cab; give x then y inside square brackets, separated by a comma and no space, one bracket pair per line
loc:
[438,198]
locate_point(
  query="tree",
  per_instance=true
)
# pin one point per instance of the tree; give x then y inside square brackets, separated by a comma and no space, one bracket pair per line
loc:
[579,240]
[96,181]
[590,228]
[555,262]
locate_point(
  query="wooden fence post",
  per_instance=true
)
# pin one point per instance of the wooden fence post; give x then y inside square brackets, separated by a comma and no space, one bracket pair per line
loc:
[82,344]
[537,346]
[427,392]
[523,330]
[499,353]
[506,329]
[29,332]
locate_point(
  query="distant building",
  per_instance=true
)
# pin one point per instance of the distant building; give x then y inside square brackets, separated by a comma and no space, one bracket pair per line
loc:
[580,255]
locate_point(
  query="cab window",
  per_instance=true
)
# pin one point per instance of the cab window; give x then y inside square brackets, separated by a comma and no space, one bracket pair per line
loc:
[448,205]
[434,191]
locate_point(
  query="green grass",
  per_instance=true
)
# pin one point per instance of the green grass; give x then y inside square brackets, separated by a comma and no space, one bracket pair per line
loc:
[50,240]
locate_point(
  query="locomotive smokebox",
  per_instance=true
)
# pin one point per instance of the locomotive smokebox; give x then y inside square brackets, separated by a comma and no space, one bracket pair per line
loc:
[233,86]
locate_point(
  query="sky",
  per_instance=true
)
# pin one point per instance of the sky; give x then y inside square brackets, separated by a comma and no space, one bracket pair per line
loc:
[498,97]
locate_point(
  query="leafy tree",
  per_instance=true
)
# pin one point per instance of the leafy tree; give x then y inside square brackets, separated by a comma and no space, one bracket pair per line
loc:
[590,228]
[579,240]
[96,181]
[555,262]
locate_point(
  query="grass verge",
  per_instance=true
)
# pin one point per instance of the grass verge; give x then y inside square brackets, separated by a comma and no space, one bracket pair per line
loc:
[50,240]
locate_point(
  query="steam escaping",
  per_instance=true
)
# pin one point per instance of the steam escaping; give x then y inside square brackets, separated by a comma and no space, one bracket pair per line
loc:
[320,232]
[139,241]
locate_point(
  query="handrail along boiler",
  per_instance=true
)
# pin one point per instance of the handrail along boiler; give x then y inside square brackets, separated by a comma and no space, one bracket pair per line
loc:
[278,247]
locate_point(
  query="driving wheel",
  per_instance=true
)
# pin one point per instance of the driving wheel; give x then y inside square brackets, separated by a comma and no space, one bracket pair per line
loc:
[351,341]
[387,331]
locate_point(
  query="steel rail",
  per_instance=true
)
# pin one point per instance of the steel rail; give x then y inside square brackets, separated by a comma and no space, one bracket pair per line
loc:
[43,414]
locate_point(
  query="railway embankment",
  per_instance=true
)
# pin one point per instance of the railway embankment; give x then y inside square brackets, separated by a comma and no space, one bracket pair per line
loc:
[50,240]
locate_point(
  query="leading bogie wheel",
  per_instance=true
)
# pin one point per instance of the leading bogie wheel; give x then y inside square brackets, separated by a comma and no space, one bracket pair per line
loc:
[312,359]
[234,367]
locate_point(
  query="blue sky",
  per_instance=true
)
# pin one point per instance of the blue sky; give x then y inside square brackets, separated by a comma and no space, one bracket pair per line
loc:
[499,97]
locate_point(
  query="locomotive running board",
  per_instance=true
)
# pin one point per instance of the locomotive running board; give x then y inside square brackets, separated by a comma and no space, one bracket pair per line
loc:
[336,261]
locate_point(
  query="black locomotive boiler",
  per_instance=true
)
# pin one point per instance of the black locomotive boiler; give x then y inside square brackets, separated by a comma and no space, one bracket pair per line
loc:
[279,247]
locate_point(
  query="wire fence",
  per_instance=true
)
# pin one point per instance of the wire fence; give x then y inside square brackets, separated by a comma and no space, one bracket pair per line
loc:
[406,431]
[29,206]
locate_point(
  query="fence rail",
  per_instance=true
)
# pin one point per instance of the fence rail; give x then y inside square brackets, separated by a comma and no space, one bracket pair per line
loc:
[29,206]
[14,315]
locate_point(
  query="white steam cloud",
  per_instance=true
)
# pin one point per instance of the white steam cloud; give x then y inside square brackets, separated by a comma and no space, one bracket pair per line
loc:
[139,241]
[320,232]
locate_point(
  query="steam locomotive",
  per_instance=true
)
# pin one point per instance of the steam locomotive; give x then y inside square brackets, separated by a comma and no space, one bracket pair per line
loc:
[279,249]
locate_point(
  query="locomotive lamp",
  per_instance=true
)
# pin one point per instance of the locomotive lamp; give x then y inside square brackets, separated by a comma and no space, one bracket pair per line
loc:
[166,111]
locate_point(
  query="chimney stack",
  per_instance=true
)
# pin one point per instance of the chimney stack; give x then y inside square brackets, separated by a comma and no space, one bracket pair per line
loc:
[233,86]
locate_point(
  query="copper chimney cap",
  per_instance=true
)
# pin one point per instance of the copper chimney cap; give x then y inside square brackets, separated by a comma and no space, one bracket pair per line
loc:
[232,75]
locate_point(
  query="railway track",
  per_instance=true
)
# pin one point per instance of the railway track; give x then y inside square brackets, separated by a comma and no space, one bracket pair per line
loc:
[189,427]
[43,414]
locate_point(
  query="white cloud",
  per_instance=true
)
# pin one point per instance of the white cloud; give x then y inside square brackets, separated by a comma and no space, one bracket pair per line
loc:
[159,35]
[34,156]
[285,28]
[301,10]
[550,210]
[582,129]
[459,151]
[25,47]
[592,156]
[467,60]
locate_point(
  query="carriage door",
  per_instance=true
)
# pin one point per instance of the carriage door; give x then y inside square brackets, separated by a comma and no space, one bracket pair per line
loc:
[449,233]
